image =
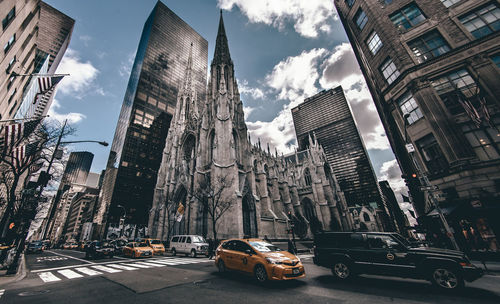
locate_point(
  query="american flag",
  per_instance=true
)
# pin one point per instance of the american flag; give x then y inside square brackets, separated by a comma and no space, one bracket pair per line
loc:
[470,110]
[12,134]
[46,83]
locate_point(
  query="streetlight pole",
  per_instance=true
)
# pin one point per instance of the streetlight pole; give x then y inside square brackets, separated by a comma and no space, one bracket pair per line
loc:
[427,185]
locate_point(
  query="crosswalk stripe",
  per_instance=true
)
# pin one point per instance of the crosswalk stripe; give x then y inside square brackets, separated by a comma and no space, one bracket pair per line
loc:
[88,271]
[106,269]
[70,274]
[167,262]
[137,265]
[123,267]
[150,264]
[48,277]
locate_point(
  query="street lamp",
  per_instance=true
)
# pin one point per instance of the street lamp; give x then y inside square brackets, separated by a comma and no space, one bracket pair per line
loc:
[422,177]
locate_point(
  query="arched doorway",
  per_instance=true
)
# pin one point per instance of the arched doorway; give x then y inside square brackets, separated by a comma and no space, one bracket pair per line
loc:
[179,212]
[249,216]
[310,215]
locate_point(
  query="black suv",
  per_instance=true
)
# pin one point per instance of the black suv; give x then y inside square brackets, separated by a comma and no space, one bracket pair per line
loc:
[98,249]
[349,253]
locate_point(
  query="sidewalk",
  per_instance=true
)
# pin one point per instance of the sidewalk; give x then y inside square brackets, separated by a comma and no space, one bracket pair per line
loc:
[21,273]
[491,267]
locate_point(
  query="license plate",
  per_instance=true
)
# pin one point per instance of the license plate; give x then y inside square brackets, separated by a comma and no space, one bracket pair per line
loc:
[295,271]
[146,253]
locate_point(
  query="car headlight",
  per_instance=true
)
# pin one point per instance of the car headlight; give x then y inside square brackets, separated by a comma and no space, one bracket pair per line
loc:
[273,261]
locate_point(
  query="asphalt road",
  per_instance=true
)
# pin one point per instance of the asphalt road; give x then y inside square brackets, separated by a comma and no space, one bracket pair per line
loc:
[64,276]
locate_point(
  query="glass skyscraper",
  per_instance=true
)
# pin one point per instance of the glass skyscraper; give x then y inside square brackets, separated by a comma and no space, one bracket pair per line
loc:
[327,116]
[147,110]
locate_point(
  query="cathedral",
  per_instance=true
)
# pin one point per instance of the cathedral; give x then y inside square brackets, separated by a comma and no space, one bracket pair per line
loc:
[214,182]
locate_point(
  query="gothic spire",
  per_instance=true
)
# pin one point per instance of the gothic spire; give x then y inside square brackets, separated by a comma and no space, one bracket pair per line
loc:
[186,86]
[221,54]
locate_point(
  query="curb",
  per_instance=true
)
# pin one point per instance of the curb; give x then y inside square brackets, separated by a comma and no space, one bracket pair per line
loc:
[21,273]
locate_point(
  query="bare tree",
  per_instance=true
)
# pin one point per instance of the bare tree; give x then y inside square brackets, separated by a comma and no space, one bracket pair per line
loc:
[22,197]
[212,196]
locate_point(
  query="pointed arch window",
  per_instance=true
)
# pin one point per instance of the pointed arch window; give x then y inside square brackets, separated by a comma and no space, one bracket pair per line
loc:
[266,170]
[212,147]
[307,177]
[366,217]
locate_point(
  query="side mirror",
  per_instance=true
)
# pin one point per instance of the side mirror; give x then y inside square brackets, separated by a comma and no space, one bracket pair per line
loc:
[248,251]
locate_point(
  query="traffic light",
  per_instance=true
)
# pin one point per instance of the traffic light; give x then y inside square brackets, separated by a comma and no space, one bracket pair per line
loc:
[411,180]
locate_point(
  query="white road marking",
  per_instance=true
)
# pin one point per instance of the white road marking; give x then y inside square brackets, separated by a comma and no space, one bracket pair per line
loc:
[88,271]
[168,262]
[70,274]
[79,265]
[123,267]
[48,277]
[150,264]
[106,269]
[68,256]
[138,265]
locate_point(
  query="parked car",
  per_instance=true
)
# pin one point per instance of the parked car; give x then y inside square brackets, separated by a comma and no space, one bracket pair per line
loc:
[34,247]
[351,253]
[119,244]
[99,249]
[137,250]
[188,244]
[156,245]
[259,258]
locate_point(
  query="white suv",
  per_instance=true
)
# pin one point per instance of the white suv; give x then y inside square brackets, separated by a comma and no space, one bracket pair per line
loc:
[188,244]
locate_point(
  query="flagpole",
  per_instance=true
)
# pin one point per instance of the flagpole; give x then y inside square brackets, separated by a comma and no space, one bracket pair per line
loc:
[39,75]
[29,118]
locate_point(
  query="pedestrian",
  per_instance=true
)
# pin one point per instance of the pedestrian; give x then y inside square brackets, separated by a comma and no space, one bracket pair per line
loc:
[291,247]
[210,249]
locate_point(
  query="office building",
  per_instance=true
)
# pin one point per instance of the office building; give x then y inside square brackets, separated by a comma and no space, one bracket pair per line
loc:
[148,107]
[432,68]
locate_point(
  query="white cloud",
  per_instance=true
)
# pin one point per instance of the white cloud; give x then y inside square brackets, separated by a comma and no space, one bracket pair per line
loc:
[247,111]
[71,117]
[255,93]
[86,39]
[390,172]
[296,76]
[81,74]
[126,66]
[310,17]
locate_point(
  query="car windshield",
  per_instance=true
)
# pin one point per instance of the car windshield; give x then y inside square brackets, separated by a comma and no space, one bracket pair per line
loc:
[155,242]
[402,240]
[198,239]
[142,245]
[264,247]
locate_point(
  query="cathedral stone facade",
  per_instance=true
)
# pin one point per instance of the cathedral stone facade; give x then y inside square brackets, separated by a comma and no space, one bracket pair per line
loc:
[268,194]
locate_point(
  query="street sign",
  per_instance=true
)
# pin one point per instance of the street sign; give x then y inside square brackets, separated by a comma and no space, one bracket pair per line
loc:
[410,148]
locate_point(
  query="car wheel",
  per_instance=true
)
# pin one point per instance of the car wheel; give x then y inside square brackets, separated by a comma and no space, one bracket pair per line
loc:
[341,270]
[446,278]
[193,253]
[260,273]
[174,252]
[221,266]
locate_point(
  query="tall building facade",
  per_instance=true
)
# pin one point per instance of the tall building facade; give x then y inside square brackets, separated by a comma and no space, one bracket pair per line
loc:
[432,68]
[327,116]
[147,110]
[395,212]
[34,37]
[76,172]
[209,161]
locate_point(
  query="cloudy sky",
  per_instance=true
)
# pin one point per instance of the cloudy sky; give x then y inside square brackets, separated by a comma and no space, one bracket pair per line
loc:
[283,50]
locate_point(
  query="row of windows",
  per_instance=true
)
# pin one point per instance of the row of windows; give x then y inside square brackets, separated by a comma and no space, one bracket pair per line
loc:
[10,16]
[480,22]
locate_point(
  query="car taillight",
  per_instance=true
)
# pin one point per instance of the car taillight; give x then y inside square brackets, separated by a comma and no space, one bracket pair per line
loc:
[465,264]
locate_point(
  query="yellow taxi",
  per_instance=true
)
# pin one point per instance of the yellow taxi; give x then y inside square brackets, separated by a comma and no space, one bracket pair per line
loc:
[156,245]
[259,258]
[137,250]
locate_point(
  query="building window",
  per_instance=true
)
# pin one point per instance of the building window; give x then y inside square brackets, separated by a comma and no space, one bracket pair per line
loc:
[10,65]
[408,105]
[360,19]
[11,81]
[6,21]
[350,3]
[389,70]
[449,3]
[374,43]
[307,177]
[407,17]
[496,60]
[485,144]
[452,86]
[9,44]
[483,21]
[428,46]
[12,95]
[432,155]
